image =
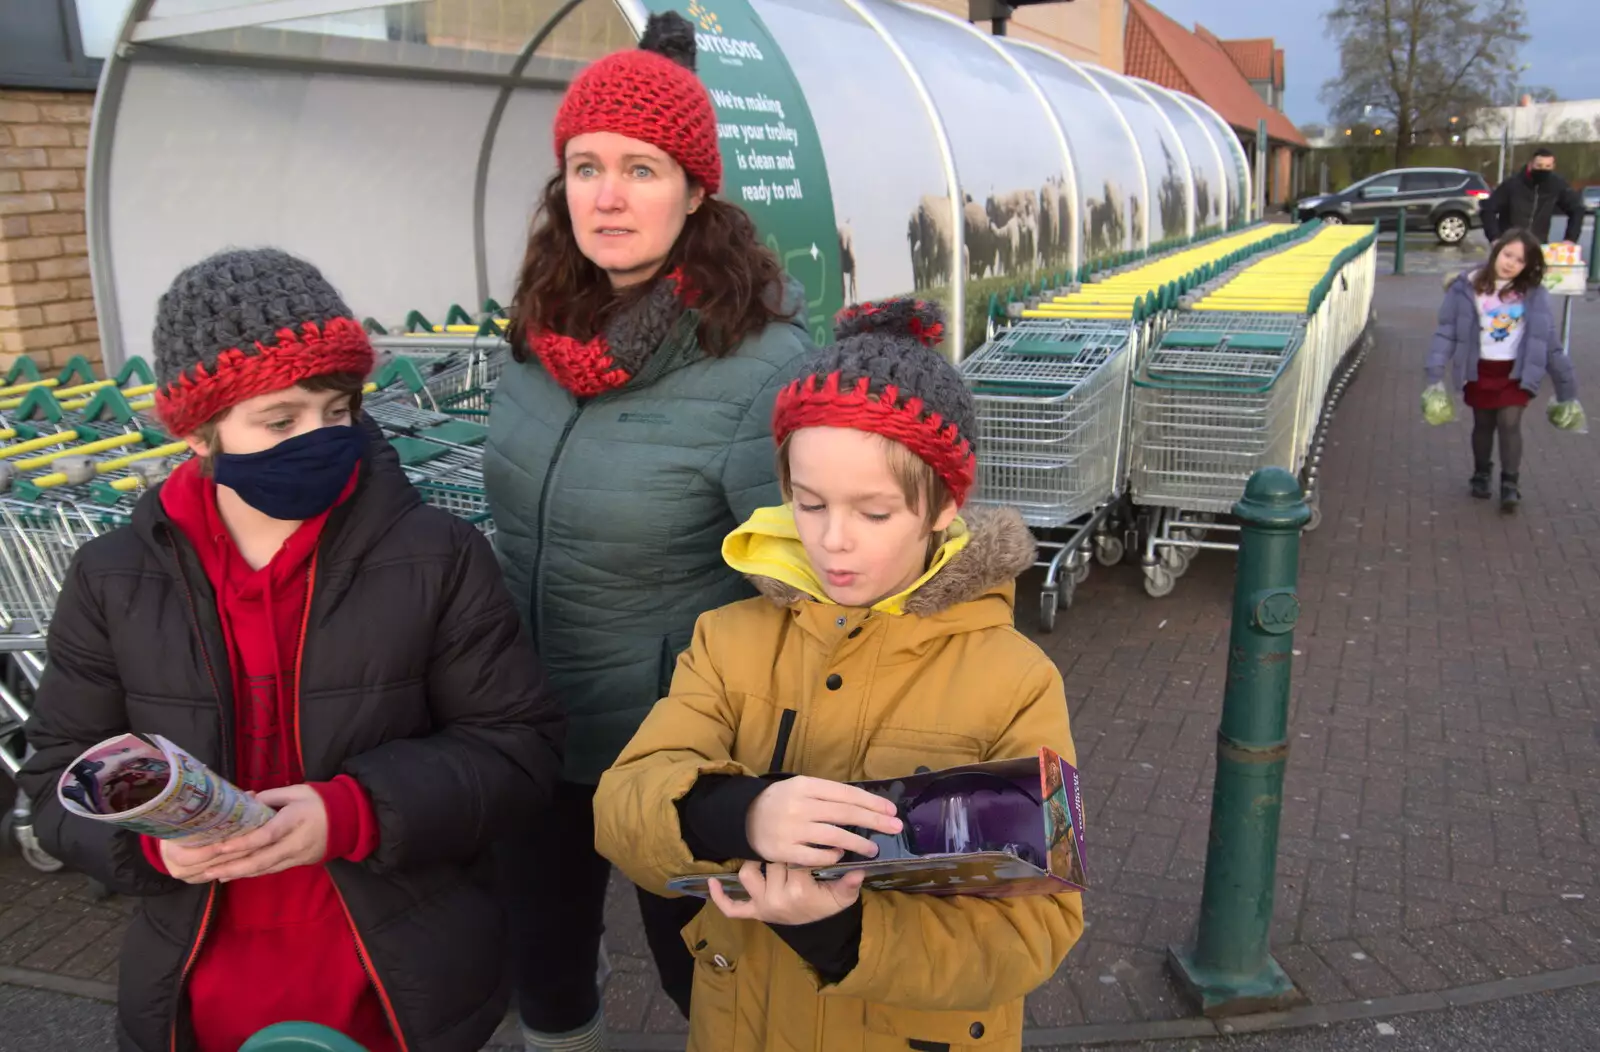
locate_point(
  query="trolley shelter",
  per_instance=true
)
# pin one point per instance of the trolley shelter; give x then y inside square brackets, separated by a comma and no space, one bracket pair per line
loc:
[882,148]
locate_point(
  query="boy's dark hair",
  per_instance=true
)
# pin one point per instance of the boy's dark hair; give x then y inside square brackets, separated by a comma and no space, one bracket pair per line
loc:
[1543,151]
[1486,280]
[351,385]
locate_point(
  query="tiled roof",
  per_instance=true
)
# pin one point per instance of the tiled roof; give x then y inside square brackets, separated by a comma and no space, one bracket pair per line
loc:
[1253,57]
[1160,50]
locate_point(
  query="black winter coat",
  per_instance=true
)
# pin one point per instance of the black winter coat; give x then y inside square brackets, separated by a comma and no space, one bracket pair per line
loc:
[417,678]
[1520,202]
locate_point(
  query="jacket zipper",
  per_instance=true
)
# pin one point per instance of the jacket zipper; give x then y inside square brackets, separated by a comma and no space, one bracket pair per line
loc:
[535,613]
[300,753]
[227,750]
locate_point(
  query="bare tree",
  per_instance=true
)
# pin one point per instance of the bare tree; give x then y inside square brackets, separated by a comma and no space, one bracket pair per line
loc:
[1411,65]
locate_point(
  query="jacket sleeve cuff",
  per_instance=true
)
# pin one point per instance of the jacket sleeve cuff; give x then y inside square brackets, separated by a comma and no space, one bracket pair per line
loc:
[352,823]
[831,946]
[151,848]
[712,816]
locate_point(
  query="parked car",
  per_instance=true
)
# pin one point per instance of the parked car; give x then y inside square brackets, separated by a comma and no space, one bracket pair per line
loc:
[1591,197]
[1442,200]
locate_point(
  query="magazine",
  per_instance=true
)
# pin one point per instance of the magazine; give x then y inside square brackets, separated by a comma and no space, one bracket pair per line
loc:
[996,829]
[155,788]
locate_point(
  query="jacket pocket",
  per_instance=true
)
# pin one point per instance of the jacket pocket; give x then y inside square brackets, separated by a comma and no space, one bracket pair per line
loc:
[713,1024]
[901,1029]
[905,753]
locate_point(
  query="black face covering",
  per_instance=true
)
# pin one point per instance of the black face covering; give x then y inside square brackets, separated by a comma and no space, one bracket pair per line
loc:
[1540,176]
[298,478]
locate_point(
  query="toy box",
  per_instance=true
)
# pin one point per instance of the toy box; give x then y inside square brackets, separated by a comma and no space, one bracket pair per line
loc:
[996,829]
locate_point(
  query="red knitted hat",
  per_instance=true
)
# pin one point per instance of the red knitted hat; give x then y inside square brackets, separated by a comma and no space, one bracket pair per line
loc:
[651,94]
[882,375]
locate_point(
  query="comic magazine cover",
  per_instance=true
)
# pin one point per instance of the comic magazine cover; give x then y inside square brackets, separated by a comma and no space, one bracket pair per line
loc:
[996,829]
[156,788]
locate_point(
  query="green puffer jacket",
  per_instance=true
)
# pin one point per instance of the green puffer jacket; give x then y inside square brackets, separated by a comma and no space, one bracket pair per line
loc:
[610,516]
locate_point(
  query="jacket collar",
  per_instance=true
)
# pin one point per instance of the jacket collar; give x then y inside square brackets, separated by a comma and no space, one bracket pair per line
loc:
[985,553]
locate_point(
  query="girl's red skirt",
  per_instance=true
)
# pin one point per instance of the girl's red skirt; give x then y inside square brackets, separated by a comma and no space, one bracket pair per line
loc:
[1494,388]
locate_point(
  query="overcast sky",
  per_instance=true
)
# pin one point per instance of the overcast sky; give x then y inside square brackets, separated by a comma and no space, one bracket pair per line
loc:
[1559,59]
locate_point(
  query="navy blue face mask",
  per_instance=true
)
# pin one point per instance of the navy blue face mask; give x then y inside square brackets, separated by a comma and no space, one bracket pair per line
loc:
[299,478]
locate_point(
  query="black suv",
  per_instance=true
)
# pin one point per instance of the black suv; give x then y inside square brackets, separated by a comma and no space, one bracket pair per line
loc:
[1443,200]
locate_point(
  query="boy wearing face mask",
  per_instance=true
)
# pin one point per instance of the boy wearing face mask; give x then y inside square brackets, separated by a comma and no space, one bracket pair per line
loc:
[1530,199]
[286,608]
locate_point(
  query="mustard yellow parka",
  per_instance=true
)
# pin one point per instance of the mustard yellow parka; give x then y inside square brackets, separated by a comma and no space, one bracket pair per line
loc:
[935,677]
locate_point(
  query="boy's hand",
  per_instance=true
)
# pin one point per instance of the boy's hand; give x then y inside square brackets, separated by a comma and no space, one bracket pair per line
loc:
[787,896]
[296,836]
[797,821]
[190,864]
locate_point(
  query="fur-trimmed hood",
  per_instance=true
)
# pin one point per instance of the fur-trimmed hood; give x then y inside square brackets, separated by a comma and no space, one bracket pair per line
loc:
[986,551]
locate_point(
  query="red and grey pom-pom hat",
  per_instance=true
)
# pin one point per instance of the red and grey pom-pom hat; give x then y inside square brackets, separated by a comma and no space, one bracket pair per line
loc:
[882,375]
[247,323]
[649,93]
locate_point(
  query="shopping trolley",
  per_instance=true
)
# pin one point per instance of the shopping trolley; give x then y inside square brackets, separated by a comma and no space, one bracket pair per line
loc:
[1052,407]
[1218,398]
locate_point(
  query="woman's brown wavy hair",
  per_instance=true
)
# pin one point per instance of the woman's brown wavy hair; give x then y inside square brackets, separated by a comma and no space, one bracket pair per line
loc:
[1486,281]
[738,280]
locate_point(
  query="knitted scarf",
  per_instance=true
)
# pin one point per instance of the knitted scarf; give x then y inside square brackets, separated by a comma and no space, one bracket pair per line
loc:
[608,361]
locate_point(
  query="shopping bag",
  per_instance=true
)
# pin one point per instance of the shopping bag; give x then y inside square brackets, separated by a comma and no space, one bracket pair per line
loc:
[1437,405]
[1568,416]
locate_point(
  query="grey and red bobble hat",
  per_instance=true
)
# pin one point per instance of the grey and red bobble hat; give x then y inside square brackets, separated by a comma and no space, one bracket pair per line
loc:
[882,375]
[244,323]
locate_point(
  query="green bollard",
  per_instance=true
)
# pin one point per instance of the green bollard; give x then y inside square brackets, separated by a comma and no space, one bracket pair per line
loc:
[1400,241]
[1230,970]
[299,1037]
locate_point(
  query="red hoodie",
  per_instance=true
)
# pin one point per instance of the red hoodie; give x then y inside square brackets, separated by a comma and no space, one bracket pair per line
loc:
[279,947]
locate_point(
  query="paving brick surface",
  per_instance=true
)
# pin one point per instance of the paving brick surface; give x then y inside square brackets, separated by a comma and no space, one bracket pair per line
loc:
[1441,818]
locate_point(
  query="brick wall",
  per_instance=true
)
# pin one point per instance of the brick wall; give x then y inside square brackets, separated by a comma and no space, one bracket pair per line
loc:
[46,306]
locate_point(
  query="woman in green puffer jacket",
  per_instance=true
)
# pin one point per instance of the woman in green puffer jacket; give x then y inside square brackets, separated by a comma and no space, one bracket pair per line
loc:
[652,332]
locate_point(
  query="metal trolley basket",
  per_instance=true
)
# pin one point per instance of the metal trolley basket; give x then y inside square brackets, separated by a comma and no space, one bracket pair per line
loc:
[1052,403]
[1221,396]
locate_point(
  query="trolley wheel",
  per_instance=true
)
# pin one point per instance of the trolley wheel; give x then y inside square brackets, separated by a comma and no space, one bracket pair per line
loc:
[1080,572]
[1159,581]
[28,845]
[1048,601]
[1316,516]
[1176,560]
[1108,550]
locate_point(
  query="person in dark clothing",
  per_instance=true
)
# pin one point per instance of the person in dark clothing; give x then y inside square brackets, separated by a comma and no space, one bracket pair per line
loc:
[1529,199]
[286,608]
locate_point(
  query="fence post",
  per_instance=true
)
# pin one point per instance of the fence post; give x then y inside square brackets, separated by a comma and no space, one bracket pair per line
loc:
[1230,970]
[1400,240]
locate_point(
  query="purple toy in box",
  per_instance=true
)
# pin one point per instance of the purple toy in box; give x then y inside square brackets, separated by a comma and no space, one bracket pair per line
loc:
[996,829]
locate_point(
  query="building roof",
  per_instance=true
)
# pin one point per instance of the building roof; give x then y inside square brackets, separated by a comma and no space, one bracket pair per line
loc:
[1160,50]
[1253,57]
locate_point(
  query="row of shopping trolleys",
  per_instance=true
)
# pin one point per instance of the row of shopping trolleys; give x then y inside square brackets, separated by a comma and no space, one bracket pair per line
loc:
[1137,433]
